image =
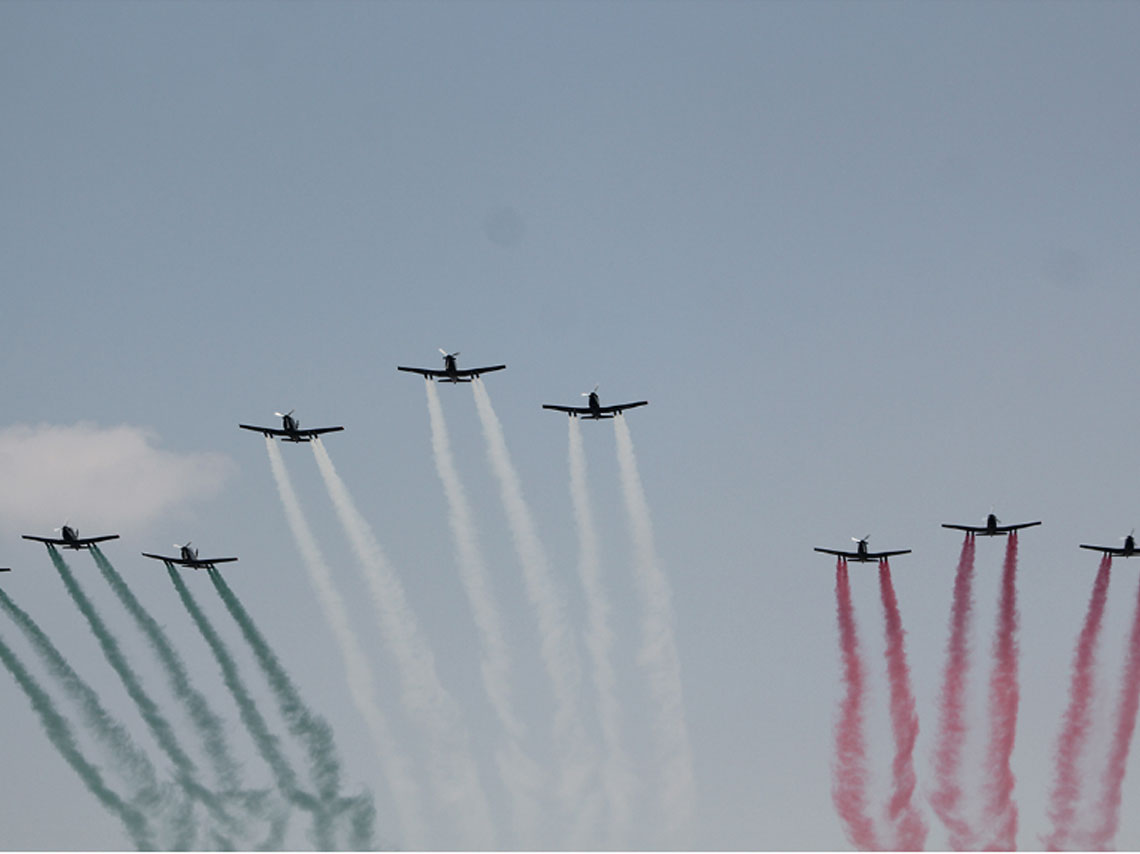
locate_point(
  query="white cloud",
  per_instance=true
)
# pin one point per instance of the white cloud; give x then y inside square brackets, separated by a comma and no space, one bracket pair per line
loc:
[103,479]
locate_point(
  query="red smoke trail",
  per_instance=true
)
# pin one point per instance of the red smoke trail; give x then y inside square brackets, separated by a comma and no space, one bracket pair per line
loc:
[910,828]
[848,788]
[947,796]
[1000,810]
[1109,811]
[1070,744]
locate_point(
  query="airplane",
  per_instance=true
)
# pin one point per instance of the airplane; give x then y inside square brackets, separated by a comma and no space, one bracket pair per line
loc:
[991,528]
[861,555]
[189,557]
[451,373]
[1127,550]
[593,409]
[290,429]
[69,538]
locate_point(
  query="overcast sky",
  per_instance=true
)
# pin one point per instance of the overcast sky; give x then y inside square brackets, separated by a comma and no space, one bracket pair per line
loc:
[874,265]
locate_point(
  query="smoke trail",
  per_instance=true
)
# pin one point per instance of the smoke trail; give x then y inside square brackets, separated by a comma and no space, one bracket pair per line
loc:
[265,742]
[947,796]
[1001,809]
[1108,812]
[120,748]
[616,774]
[361,685]
[658,652]
[556,640]
[186,771]
[58,731]
[519,772]
[210,727]
[308,728]
[1071,742]
[848,788]
[909,825]
[428,703]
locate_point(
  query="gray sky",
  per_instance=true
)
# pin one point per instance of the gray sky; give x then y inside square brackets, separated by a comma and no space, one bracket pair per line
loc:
[874,265]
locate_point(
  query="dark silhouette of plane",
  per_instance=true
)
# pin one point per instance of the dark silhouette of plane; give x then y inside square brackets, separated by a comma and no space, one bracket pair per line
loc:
[991,528]
[69,539]
[861,555]
[451,372]
[290,429]
[5,569]
[1127,550]
[593,409]
[189,557]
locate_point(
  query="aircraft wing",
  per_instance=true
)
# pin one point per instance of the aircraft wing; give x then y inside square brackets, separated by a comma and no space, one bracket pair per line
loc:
[838,553]
[49,540]
[622,406]
[163,558]
[573,410]
[474,372]
[884,555]
[90,541]
[5,569]
[207,563]
[317,431]
[1009,528]
[267,431]
[973,529]
[1108,550]
[427,372]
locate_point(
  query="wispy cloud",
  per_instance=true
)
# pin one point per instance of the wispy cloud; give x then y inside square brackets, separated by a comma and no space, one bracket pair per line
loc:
[98,476]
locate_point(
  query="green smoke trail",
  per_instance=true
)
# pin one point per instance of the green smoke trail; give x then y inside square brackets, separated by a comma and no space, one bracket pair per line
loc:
[308,728]
[266,743]
[210,727]
[132,762]
[155,721]
[58,731]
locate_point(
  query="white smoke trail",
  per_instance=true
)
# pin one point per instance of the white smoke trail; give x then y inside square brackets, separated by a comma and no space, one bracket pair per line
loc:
[360,682]
[520,773]
[428,703]
[659,649]
[557,643]
[616,774]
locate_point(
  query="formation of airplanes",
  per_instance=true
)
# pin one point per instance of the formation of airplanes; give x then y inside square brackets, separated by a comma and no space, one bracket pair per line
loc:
[992,528]
[291,431]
